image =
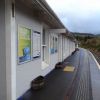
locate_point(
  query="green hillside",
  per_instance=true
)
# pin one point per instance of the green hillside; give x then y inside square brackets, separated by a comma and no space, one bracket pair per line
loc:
[91,42]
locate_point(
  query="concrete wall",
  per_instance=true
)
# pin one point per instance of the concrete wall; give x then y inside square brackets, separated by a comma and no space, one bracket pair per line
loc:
[2,52]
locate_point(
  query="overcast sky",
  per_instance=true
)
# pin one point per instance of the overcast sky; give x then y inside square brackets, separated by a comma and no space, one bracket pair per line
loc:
[78,15]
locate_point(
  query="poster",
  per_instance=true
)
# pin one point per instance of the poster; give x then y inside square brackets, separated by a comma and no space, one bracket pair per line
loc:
[52,44]
[56,44]
[24,44]
[36,44]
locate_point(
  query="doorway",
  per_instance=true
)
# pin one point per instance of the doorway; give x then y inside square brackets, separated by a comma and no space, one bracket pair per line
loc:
[45,49]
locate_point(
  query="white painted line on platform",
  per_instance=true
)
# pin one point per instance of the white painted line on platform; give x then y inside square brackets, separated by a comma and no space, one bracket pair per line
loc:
[95,60]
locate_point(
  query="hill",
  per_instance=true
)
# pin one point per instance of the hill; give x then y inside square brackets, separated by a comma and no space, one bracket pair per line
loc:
[85,34]
[89,41]
[98,35]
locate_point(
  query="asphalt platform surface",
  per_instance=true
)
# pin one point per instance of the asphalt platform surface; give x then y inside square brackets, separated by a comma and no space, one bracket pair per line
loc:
[62,85]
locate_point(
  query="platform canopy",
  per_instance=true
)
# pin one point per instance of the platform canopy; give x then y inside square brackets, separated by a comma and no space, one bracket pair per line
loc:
[43,12]
[56,31]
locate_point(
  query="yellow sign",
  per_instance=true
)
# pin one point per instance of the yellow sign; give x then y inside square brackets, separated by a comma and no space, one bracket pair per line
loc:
[24,44]
[69,68]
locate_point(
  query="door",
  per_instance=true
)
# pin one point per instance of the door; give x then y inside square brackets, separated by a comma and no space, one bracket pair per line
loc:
[59,48]
[45,49]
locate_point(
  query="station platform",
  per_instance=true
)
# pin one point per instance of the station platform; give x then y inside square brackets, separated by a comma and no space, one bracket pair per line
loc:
[81,84]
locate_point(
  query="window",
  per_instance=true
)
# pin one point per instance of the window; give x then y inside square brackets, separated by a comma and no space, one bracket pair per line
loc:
[36,44]
[54,44]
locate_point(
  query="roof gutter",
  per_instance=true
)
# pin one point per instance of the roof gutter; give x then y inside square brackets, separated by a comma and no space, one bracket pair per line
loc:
[47,8]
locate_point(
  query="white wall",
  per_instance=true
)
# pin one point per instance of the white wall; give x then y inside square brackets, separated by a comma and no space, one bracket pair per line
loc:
[60,57]
[26,72]
[7,68]
[54,57]
[68,47]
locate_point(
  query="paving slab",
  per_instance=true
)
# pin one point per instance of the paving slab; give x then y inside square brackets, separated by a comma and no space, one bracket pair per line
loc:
[82,89]
[95,77]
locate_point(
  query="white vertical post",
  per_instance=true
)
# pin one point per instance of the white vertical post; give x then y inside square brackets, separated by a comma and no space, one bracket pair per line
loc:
[49,46]
[10,50]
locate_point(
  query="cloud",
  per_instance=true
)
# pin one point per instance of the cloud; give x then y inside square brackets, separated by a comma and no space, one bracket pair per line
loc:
[78,15]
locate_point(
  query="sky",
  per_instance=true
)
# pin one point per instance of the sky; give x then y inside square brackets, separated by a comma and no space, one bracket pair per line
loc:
[78,15]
